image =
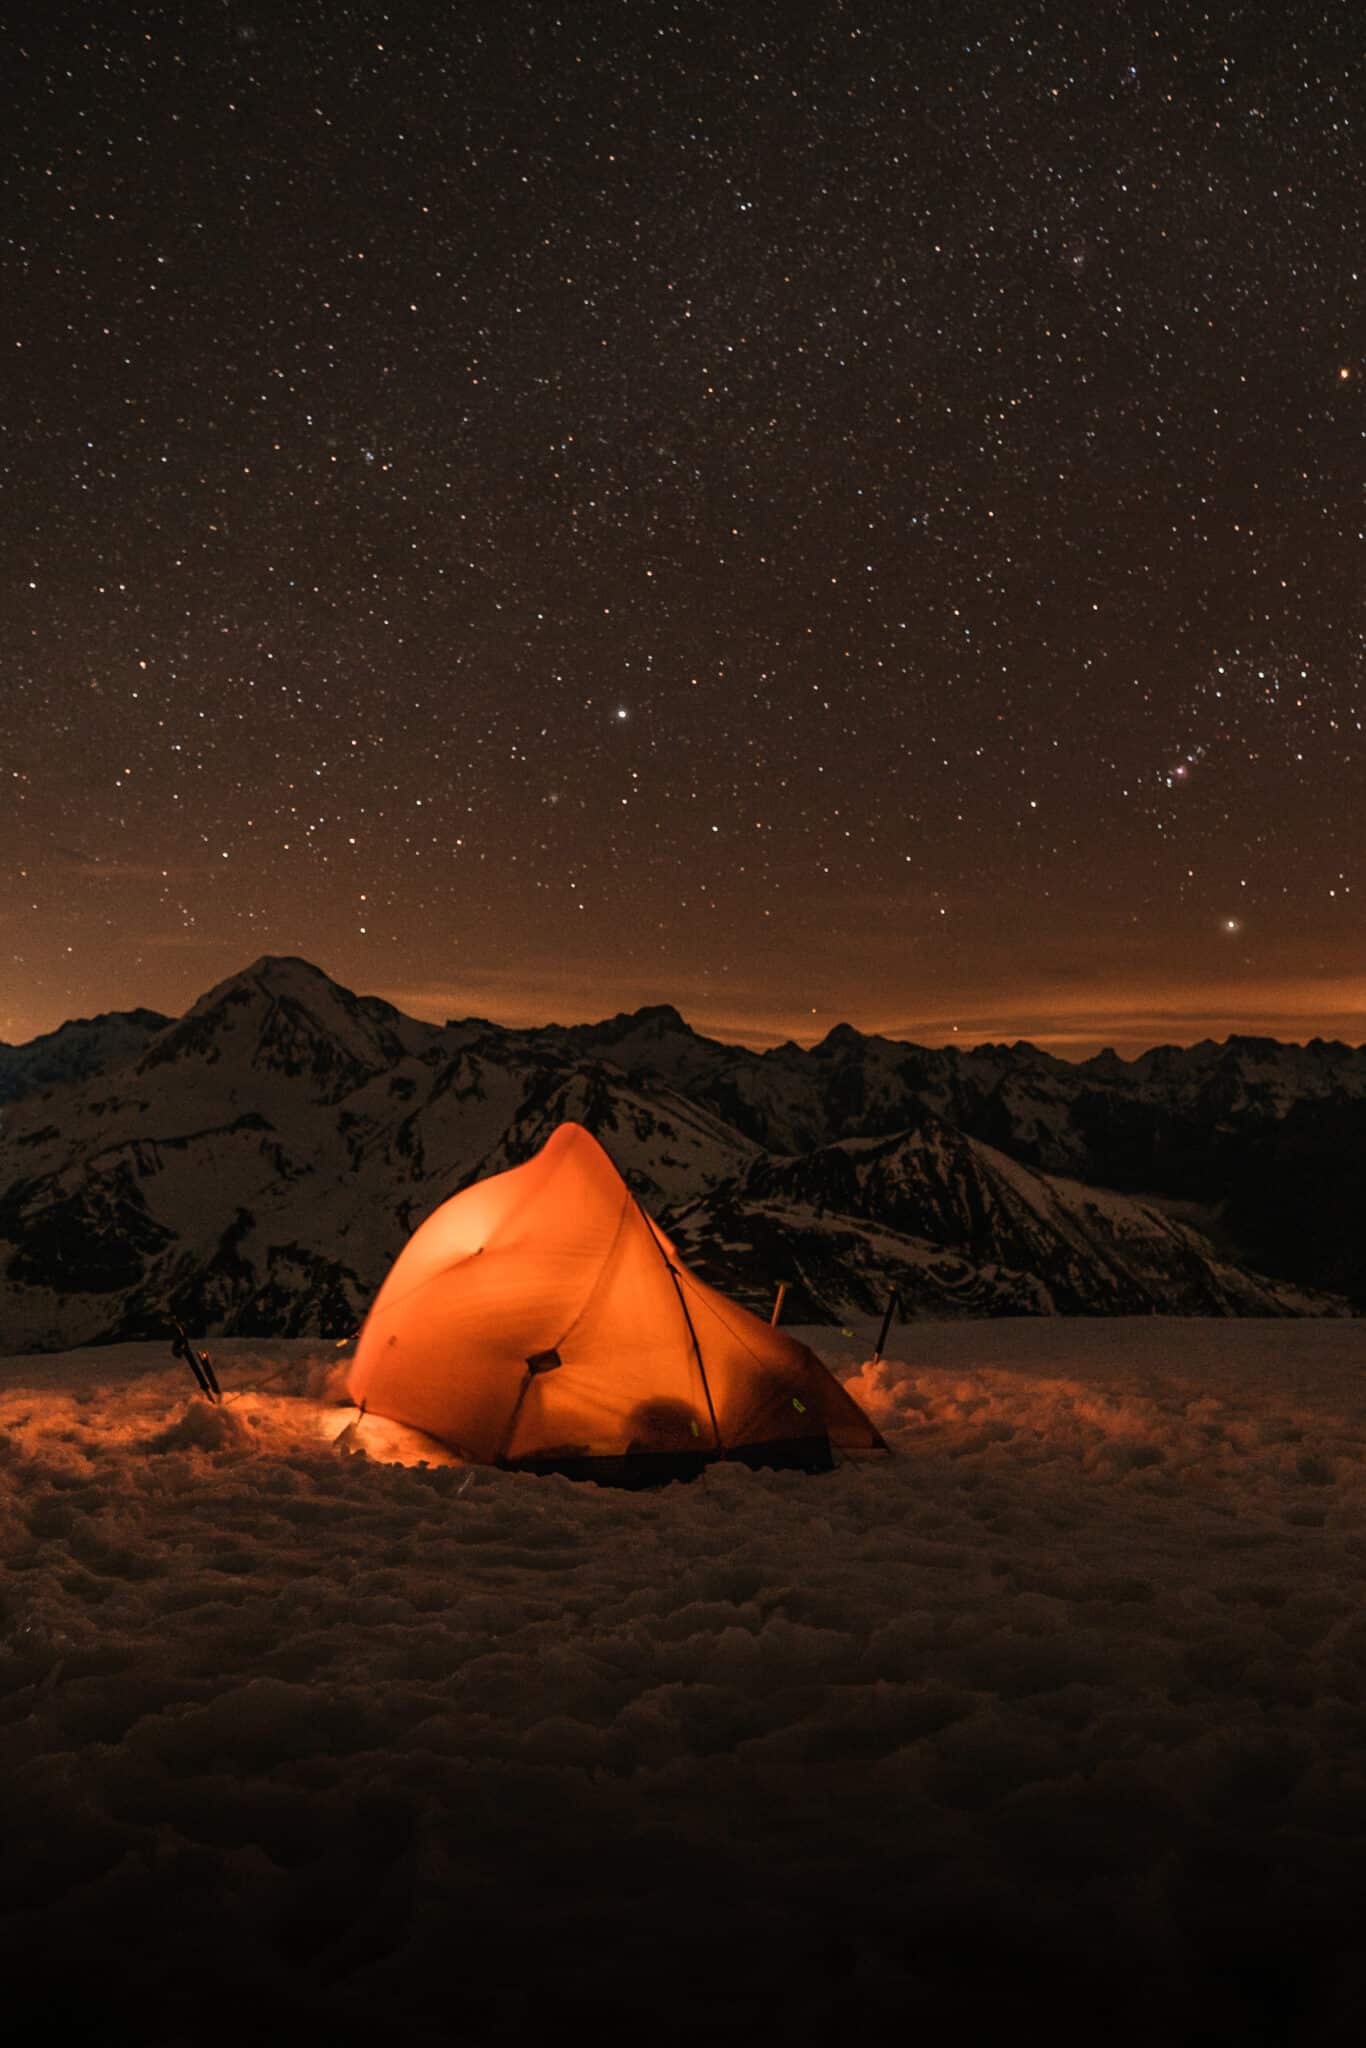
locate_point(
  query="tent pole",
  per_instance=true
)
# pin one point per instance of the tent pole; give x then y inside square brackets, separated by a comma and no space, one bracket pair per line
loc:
[886,1326]
[696,1347]
[697,1353]
[778,1304]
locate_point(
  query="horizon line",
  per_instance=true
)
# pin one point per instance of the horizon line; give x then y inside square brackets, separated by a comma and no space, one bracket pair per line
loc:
[1075,1041]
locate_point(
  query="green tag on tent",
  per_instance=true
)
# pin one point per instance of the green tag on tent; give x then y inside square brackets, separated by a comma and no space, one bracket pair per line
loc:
[693,1426]
[800,1406]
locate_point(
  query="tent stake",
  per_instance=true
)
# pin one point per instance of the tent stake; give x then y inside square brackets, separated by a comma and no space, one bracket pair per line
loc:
[778,1304]
[886,1326]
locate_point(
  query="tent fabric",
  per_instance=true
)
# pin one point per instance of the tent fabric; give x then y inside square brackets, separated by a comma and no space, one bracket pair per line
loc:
[540,1318]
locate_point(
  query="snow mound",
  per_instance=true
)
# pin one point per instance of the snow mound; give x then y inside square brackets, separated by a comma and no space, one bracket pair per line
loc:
[205,1426]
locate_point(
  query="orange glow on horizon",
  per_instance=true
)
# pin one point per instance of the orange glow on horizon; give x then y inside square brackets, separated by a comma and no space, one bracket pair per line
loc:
[1129,1019]
[1074,1016]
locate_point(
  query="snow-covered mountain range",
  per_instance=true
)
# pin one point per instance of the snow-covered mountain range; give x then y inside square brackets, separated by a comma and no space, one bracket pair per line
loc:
[255,1165]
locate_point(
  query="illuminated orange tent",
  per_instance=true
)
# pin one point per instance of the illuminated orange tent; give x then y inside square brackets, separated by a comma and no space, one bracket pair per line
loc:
[539,1320]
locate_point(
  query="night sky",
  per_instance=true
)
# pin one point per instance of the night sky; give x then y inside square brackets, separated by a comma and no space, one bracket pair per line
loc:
[800,511]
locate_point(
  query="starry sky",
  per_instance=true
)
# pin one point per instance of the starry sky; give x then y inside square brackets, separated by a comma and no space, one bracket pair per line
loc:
[801,511]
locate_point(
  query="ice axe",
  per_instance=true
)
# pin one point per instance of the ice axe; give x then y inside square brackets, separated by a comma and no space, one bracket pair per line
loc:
[199,1362]
[892,1307]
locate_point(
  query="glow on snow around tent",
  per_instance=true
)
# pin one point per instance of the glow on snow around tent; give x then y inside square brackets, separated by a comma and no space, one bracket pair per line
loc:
[1072,1683]
[539,1319]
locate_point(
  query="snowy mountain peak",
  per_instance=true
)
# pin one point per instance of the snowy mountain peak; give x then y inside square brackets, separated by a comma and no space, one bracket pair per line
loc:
[283,1016]
[840,1038]
[280,975]
[955,1226]
[658,1018]
[83,1046]
[656,1039]
[1107,1062]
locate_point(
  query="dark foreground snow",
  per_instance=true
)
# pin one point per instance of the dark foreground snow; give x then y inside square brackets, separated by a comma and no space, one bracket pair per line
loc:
[1063,1708]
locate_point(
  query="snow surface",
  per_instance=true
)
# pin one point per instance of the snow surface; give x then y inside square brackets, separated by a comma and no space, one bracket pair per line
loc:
[1061,1708]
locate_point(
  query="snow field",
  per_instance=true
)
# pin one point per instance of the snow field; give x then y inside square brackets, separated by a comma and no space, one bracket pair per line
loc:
[1064,1706]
